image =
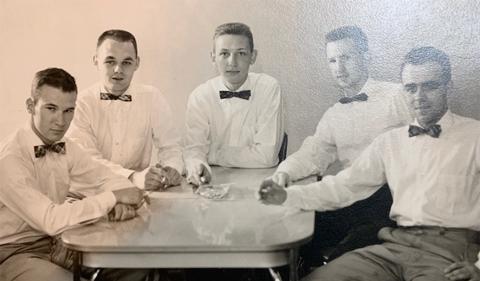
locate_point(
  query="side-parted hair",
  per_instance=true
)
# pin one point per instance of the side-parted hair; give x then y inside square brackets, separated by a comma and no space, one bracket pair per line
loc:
[234,28]
[118,35]
[428,54]
[53,77]
[352,32]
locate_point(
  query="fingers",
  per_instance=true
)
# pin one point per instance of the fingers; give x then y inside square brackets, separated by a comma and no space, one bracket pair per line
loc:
[155,179]
[122,212]
[205,176]
[462,271]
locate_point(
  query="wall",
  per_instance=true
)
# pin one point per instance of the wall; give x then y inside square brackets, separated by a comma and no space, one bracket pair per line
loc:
[175,39]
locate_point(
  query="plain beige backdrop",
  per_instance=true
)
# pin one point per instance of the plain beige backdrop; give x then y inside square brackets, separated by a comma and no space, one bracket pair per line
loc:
[175,38]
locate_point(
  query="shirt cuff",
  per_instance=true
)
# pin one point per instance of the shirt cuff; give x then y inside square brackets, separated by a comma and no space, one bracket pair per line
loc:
[138,178]
[294,197]
[107,200]
[125,172]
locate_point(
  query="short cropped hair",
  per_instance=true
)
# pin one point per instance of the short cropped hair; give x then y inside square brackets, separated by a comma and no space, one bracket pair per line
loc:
[352,32]
[234,28]
[118,35]
[53,77]
[428,54]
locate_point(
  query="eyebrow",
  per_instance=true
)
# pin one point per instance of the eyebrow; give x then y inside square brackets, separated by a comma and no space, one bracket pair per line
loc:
[50,104]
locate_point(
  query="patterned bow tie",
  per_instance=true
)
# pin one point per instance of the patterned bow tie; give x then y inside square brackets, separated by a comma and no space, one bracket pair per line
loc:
[41,150]
[359,97]
[108,96]
[242,94]
[433,131]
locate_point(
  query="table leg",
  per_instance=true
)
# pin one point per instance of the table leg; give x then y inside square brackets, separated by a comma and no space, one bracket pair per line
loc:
[292,261]
[77,265]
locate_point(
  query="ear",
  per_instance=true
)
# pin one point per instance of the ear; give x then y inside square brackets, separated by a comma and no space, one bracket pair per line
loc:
[30,105]
[212,56]
[95,60]
[254,56]
[137,63]
[367,58]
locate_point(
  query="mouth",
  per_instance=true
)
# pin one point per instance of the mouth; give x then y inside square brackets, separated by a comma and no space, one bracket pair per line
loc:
[57,131]
[232,72]
[117,79]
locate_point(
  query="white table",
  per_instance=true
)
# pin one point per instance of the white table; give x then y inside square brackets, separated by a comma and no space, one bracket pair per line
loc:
[180,229]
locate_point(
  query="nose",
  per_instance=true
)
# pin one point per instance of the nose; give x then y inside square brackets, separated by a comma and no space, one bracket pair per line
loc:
[232,60]
[117,68]
[60,119]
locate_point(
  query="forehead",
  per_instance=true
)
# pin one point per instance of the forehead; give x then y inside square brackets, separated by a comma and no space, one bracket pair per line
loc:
[116,49]
[417,74]
[232,42]
[51,95]
[341,47]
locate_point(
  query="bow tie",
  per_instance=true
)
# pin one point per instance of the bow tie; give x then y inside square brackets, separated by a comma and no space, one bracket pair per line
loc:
[41,150]
[108,96]
[359,97]
[433,131]
[242,94]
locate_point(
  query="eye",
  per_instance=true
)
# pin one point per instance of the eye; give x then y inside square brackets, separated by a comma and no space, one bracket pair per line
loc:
[223,54]
[70,110]
[332,60]
[243,53]
[127,63]
[432,86]
[51,108]
[411,89]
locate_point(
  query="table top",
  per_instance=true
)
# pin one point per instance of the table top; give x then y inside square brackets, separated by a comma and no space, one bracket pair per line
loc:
[178,220]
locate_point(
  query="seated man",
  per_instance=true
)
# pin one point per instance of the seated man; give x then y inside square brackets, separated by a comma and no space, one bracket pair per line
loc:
[433,170]
[36,166]
[344,131]
[235,119]
[120,123]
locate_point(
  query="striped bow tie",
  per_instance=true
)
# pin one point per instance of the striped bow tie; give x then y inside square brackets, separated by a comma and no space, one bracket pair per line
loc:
[242,94]
[108,96]
[433,131]
[41,150]
[359,97]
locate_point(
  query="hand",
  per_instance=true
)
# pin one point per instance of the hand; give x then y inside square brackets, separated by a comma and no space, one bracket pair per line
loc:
[122,212]
[281,178]
[159,177]
[272,193]
[199,175]
[129,195]
[462,271]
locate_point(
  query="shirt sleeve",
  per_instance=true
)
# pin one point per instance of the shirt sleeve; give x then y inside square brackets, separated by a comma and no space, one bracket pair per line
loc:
[197,131]
[315,155]
[359,181]
[82,133]
[267,139]
[18,194]
[166,138]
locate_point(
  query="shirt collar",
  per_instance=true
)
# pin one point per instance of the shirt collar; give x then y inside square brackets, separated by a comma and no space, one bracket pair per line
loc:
[129,91]
[245,85]
[445,122]
[32,140]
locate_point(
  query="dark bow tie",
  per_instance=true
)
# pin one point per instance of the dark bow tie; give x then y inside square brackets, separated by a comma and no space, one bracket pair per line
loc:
[242,94]
[41,150]
[108,96]
[359,97]
[433,131]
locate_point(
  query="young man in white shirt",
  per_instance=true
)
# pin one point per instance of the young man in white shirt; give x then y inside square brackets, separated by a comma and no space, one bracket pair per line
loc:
[235,119]
[36,166]
[122,123]
[367,109]
[433,171]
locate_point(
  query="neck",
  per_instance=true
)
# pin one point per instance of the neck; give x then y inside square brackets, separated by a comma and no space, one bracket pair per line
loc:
[233,87]
[354,89]
[434,121]
[39,135]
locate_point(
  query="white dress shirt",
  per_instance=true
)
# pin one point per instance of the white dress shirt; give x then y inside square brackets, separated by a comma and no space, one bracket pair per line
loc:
[122,134]
[33,190]
[434,181]
[345,130]
[235,132]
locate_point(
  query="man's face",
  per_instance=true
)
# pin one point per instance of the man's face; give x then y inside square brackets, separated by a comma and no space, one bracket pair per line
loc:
[427,90]
[52,113]
[116,62]
[347,64]
[232,57]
